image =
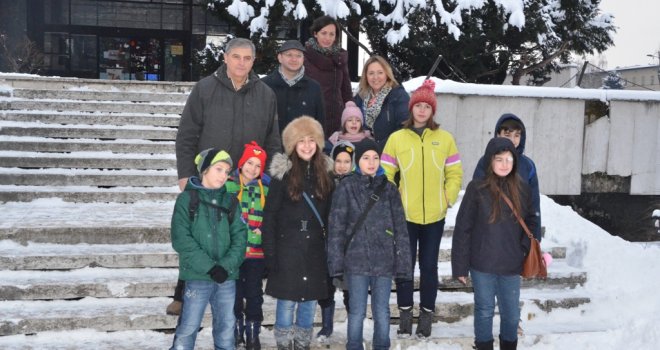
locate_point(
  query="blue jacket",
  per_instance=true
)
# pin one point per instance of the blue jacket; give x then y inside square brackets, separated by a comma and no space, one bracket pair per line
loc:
[381,246]
[526,170]
[392,114]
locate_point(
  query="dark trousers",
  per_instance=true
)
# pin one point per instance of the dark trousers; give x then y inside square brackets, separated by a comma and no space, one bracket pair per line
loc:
[178,290]
[249,291]
[428,236]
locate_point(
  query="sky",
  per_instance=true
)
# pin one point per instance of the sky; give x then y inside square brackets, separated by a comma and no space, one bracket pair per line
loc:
[638,32]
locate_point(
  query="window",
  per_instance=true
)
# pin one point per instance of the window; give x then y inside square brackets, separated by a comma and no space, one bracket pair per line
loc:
[56,51]
[83,53]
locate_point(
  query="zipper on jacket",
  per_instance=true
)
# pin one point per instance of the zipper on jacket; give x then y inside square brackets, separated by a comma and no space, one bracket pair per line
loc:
[423,181]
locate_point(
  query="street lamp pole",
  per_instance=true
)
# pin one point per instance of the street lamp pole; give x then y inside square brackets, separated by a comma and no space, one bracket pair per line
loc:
[658,57]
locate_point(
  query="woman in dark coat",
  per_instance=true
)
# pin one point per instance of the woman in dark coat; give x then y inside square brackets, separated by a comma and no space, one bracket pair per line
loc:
[384,103]
[327,63]
[293,236]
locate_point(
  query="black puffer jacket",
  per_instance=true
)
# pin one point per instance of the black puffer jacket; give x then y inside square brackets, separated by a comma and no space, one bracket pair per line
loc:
[381,246]
[293,240]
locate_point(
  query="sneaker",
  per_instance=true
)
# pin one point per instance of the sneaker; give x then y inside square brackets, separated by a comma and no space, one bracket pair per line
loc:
[174,308]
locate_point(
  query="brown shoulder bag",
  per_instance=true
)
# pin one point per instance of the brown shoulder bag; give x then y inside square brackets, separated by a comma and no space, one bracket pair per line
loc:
[534,265]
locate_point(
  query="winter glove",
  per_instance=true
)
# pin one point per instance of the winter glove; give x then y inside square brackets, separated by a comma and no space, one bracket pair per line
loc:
[218,274]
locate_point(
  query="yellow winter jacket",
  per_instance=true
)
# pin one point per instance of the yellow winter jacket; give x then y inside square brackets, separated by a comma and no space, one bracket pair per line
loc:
[430,172]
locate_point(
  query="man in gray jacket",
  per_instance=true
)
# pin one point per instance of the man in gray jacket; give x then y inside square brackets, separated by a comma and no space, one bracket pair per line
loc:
[226,110]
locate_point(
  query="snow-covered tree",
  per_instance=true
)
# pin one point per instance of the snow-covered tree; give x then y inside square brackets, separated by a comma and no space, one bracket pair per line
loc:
[480,40]
[613,81]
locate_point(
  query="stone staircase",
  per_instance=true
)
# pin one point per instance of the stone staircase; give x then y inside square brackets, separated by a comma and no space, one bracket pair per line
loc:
[87,183]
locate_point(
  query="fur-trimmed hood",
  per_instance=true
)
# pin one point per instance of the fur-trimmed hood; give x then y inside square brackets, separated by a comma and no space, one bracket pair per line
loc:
[281,164]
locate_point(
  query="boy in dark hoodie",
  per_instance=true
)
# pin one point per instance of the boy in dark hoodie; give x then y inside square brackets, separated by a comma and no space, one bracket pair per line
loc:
[511,127]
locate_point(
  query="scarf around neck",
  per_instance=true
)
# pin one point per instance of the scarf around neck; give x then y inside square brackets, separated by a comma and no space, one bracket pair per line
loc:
[330,51]
[373,109]
[295,79]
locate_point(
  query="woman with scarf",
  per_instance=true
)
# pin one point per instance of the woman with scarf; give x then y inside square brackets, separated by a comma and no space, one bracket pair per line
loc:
[327,63]
[384,103]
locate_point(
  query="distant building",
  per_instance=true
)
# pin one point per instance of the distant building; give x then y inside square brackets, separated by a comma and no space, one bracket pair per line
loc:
[119,39]
[566,77]
[642,77]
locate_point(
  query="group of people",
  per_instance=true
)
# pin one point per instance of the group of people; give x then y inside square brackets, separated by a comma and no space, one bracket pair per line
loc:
[333,191]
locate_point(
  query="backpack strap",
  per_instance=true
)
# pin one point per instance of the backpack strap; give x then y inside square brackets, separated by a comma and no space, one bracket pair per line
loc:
[193,205]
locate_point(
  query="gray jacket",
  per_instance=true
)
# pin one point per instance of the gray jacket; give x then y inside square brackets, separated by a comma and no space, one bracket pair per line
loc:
[381,246]
[217,116]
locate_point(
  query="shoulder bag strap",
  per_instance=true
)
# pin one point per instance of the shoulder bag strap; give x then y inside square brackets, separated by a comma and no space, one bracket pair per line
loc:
[520,220]
[372,200]
[313,207]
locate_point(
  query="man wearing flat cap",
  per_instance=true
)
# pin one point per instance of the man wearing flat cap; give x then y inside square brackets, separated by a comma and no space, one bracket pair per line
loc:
[296,93]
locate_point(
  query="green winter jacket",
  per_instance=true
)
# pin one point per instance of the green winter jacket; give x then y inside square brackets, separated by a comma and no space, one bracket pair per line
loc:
[209,239]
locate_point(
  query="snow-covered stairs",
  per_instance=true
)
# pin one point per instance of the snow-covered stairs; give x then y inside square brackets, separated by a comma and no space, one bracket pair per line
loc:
[87,182]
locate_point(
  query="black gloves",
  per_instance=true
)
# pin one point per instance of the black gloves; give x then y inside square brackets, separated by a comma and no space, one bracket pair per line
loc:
[218,274]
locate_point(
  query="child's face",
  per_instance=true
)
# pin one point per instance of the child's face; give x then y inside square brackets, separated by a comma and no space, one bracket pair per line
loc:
[369,163]
[305,148]
[422,112]
[342,163]
[353,125]
[513,135]
[216,175]
[251,169]
[502,164]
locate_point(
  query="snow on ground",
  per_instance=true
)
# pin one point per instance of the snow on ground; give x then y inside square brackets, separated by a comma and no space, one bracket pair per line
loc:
[623,280]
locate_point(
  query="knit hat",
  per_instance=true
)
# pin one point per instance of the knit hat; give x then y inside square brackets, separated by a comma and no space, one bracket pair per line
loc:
[210,156]
[300,127]
[351,110]
[342,146]
[425,93]
[252,149]
[366,144]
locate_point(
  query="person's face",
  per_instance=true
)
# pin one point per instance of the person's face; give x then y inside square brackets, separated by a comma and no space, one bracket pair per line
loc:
[369,163]
[216,175]
[291,60]
[251,169]
[376,77]
[342,163]
[326,36]
[502,164]
[513,135]
[422,112]
[353,125]
[305,148]
[239,62]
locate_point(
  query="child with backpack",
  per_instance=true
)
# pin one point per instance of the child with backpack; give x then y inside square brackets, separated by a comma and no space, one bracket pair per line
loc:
[251,185]
[368,243]
[211,248]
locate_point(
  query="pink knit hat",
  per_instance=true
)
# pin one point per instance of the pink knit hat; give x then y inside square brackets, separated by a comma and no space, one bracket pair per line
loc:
[351,110]
[425,93]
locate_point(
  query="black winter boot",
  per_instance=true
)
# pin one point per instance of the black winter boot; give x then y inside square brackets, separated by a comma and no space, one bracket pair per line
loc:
[424,323]
[327,317]
[405,321]
[239,333]
[508,345]
[252,330]
[486,345]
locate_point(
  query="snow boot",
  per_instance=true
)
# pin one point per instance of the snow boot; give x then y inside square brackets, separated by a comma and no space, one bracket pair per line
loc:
[283,338]
[508,345]
[239,333]
[405,321]
[327,316]
[486,345]
[174,308]
[302,338]
[252,330]
[424,323]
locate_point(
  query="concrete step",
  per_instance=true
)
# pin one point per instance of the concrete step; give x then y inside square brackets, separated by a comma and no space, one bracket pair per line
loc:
[87,177]
[47,256]
[91,132]
[48,145]
[116,314]
[22,81]
[87,194]
[96,95]
[88,106]
[87,160]
[153,282]
[171,120]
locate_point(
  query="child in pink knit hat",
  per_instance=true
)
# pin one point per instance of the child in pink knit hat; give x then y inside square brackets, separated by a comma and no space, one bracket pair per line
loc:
[352,127]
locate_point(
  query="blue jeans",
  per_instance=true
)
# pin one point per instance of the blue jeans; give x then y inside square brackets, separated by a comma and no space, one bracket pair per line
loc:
[196,296]
[487,287]
[304,313]
[249,291]
[429,237]
[358,289]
